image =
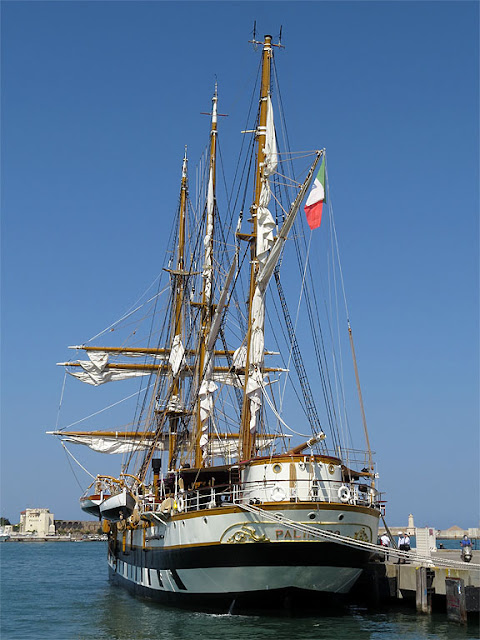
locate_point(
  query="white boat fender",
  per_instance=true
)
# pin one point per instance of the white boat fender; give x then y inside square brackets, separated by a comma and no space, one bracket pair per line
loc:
[344,493]
[278,493]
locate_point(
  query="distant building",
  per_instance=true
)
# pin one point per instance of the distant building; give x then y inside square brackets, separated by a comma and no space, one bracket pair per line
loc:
[411,525]
[39,522]
[77,527]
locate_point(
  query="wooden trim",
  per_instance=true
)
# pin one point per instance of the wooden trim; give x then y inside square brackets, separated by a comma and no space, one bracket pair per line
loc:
[290,458]
[274,506]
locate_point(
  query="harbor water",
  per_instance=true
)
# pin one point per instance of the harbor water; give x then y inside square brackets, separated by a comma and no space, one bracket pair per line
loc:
[60,591]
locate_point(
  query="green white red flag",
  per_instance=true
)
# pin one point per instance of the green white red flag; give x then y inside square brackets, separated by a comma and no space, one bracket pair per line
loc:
[313,206]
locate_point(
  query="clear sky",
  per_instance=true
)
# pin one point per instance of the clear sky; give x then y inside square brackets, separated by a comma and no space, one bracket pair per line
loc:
[98,101]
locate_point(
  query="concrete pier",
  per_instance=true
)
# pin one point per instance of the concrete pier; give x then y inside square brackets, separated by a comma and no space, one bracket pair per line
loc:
[454,591]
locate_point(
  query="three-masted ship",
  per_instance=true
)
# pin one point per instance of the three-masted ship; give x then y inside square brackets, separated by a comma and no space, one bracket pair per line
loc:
[228,496]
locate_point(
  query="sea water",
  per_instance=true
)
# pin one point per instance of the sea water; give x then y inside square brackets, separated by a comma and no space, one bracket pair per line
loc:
[60,591]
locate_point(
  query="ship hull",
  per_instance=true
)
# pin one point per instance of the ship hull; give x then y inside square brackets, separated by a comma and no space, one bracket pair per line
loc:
[235,558]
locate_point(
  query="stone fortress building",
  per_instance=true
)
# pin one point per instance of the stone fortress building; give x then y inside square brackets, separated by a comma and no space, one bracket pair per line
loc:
[39,522]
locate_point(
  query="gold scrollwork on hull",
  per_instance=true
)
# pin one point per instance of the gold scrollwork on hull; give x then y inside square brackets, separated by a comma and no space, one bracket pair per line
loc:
[362,535]
[246,534]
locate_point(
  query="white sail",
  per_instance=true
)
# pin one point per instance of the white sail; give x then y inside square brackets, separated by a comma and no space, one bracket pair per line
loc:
[265,239]
[265,221]
[95,371]
[208,386]
[177,355]
[227,446]
[207,241]
[111,444]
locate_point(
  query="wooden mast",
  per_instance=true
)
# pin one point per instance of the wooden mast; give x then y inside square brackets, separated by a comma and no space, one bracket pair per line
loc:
[178,306]
[247,439]
[206,305]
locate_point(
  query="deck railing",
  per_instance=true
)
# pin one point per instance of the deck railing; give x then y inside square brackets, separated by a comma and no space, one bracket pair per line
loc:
[280,491]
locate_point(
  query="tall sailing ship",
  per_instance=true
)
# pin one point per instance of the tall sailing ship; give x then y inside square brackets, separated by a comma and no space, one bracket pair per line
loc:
[230,496]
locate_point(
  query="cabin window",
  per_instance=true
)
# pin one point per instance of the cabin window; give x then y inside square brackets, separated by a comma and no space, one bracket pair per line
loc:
[277,468]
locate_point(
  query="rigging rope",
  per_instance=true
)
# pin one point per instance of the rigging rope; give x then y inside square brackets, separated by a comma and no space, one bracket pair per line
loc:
[80,465]
[352,542]
[296,320]
[61,399]
[277,415]
[129,313]
[104,409]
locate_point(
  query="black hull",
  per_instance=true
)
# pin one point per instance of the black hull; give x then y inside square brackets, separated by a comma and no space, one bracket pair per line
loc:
[281,555]
[288,601]
[246,555]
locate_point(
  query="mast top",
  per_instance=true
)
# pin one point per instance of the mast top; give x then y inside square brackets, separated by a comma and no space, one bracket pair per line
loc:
[184,165]
[267,42]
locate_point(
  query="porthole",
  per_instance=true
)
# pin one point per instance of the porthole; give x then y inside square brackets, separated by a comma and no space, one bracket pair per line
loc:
[277,468]
[331,469]
[341,516]
[312,515]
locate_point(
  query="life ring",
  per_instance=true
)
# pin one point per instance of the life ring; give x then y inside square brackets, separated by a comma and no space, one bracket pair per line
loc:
[344,493]
[278,493]
[180,503]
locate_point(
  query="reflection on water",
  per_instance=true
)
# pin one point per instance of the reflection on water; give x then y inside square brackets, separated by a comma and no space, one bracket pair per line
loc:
[122,617]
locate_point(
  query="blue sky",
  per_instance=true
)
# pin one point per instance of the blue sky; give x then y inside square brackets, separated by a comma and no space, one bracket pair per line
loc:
[98,101]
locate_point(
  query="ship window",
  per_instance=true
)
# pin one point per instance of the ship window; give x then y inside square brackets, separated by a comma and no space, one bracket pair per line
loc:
[160,583]
[277,468]
[312,515]
[341,516]
[148,578]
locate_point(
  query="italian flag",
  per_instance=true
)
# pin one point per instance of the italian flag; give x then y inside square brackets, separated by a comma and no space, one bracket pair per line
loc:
[313,206]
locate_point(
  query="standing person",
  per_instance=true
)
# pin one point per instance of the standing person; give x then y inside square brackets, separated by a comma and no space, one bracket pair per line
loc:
[403,543]
[385,542]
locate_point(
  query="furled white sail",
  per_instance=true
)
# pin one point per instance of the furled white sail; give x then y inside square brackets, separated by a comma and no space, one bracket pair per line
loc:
[265,239]
[265,221]
[207,241]
[207,385]
[220,445]
[95,371]
[111,444]
[177,355]
[228,448]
